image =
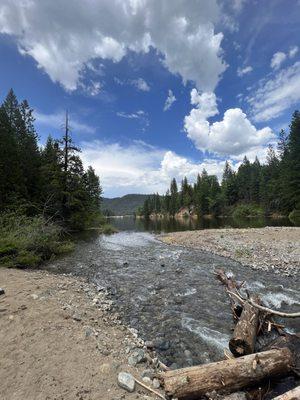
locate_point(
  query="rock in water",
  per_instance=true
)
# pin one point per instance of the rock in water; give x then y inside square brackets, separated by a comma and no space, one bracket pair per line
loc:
[126,381]
[2,291]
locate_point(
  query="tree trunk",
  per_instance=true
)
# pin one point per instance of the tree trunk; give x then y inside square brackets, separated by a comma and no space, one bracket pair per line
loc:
[290,395]
[227,375]
[244,336]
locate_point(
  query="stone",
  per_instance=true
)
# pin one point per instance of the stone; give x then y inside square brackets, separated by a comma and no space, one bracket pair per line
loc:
[2,291]
[147,373]
[156,383]
[147,380]
[77,317]
[136,357]
[34,296]
[126,381]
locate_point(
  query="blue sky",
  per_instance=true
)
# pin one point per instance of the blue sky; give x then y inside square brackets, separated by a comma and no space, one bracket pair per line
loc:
[155,88]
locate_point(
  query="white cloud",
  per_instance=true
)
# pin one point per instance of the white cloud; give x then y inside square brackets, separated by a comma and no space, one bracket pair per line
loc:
[140,167]
[232,136]
[244,71]
[141,84]
[64,37]
[169,100]
[277,94]
[139,115]
[277,59]
[293,51]
[92,89]
[57,120]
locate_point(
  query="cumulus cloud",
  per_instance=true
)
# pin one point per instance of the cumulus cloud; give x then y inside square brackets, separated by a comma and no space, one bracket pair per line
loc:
[169,100]
[277,59]
[243,71]
[140,167]
[232,136]
[63,37]
[275,95]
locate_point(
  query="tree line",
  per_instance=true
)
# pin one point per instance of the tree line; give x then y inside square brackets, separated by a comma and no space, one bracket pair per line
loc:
[48,181]
[270,188]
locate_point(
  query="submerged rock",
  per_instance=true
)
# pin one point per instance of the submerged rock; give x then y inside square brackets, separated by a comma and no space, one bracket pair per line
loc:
[126,381]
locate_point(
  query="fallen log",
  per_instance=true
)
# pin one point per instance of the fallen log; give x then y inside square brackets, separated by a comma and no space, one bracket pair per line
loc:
[228,375]
[244,335]
[293,394]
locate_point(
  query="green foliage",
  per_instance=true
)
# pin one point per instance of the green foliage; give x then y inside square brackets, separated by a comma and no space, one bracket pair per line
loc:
[247,210]
[26,241]
[108,229]
[294,216]
[49,181]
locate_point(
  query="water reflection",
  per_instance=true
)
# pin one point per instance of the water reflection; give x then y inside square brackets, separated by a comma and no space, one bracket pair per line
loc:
[184,224]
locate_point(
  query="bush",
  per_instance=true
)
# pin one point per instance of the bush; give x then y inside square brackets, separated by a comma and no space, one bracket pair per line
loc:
[294,216]
[27,241]
[247,210]
[108,229]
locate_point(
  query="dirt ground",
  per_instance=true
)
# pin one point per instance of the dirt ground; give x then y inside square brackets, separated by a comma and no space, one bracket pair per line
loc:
[270,248]
[57,342]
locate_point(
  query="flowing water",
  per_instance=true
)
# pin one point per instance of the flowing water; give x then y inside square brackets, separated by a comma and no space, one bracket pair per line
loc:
[169,294]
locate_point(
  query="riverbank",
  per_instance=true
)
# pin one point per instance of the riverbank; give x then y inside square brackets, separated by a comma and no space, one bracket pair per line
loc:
[59,339]
[270,249]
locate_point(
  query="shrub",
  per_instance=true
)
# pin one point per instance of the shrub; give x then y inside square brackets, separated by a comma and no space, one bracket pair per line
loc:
[294,216]
[247,210]
[108,229]
[27,241]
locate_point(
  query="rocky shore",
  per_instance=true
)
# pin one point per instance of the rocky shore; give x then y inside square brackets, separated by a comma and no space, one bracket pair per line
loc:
[270,249]
[59,339]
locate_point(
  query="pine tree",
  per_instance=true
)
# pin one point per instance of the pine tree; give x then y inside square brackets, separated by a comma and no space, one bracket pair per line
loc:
[174,200]
[291,195]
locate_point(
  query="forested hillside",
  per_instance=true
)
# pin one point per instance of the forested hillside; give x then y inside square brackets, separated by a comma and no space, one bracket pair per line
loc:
[253,189]
[126,205]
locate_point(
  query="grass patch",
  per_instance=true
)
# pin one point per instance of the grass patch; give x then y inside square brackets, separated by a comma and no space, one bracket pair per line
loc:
[27,241]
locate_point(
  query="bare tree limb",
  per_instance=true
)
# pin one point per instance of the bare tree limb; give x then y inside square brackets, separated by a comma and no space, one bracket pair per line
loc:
[262,308]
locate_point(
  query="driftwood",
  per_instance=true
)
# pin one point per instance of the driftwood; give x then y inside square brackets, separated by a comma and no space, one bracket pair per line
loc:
[244,336]
[267,310]
[290,395]
[227,375]
[232,286]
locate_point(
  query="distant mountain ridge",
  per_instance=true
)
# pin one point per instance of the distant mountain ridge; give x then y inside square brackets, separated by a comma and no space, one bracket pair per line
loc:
[125,205]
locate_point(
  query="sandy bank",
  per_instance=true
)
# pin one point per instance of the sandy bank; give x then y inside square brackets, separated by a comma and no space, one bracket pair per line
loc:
[270,248]
[59,341]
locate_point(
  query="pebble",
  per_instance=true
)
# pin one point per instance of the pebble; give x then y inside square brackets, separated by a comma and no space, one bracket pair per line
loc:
[2,291]
[156,383]
[126,381]
[34,296]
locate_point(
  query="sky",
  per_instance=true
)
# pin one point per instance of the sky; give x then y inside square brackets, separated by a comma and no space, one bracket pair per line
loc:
[155,89]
